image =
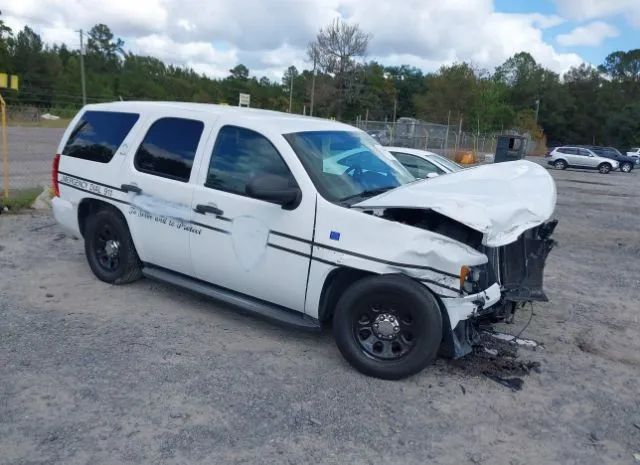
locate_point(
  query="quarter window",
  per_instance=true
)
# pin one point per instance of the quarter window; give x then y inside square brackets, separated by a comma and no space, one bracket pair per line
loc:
[98,135]
[169,148]
[240,154]
[417,166]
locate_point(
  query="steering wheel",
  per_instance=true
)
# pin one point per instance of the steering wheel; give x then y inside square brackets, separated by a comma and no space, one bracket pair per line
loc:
[355,172]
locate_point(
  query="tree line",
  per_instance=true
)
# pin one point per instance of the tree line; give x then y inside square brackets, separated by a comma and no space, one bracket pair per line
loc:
[587,105]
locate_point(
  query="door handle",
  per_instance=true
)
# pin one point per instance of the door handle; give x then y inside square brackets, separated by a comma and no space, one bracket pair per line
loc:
[204,209]
[130,188]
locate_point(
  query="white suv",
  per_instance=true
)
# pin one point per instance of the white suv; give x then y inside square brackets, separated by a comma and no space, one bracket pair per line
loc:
[304,221]
[634,152]
[580,157]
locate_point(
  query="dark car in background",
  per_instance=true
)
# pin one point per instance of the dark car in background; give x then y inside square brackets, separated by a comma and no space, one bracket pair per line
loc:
[626,163]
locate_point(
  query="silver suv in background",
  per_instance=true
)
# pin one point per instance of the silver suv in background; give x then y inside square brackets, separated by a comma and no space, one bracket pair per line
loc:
[580,157]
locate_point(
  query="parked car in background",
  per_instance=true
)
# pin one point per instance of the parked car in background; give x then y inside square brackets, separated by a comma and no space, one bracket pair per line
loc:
[634,152]
[626,163]
[423,164]
[574,156]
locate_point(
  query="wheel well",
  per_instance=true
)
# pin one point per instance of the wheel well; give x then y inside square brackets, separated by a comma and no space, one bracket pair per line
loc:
[334,286]
[562,160]
[89,207]
[604,163]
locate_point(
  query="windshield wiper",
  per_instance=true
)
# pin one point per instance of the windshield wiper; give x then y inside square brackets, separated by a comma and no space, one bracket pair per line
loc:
[367,193]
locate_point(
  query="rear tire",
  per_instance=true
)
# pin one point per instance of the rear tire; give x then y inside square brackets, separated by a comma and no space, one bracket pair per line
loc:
[604,168]
[109,248]
[626,167]
[560,164]
[388,326]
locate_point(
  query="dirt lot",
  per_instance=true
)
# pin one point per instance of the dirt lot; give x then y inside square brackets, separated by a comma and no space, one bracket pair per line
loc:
[147,373]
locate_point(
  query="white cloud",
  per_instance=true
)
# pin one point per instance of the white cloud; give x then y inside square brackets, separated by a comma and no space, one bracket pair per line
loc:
[269,35]
[591,34]
[201,56]
[592,9]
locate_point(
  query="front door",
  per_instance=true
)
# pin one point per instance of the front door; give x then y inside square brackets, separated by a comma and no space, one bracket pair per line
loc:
[248,245]
[157,178]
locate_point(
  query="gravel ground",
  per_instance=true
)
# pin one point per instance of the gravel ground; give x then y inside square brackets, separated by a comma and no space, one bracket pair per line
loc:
[147,373]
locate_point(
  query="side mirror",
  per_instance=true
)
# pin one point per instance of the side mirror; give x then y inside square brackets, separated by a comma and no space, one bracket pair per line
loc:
[432,175]
[275,189]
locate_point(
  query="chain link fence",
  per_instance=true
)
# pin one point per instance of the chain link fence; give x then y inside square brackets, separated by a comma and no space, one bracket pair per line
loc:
[33,135]
[447,140]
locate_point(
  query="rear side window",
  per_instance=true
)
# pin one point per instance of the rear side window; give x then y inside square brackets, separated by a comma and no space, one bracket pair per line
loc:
[417,166]
[169,148]
[568,150]
[240,154]
[98,135]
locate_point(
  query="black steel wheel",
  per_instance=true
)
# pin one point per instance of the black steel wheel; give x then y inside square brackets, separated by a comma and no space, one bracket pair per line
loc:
[109,248]
[388,326]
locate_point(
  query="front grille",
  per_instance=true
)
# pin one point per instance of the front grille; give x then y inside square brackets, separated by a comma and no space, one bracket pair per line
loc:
[519,266]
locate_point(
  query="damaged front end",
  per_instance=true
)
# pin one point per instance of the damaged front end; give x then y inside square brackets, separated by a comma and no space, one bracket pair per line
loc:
[503,211]
[518,268]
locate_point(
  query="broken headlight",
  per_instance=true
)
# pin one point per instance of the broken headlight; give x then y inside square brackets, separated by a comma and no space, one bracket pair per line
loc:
[474,279]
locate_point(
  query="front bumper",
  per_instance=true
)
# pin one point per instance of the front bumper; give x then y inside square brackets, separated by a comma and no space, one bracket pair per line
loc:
[462,308]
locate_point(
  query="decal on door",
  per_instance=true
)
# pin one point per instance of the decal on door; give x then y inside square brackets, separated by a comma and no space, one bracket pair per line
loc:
[249,236]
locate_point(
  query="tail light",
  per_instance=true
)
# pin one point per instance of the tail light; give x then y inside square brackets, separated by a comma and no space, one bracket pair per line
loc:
[54,175]
[547,154]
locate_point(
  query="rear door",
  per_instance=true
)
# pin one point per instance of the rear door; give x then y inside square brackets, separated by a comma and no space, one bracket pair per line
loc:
[588,159]
[157,177]
[571,155]
[249,245]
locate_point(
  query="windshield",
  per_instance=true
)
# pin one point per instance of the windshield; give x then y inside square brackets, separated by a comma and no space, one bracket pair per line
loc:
[453,166]
[347,166]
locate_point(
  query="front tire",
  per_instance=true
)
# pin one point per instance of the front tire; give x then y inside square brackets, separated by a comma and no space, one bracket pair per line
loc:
[109,248]
[388,326]
[604,168]
[626,167]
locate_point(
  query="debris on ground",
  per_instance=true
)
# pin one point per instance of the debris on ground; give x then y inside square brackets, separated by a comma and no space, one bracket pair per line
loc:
[498,359]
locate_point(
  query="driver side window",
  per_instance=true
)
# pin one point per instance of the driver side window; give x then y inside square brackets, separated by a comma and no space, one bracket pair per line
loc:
[238,155]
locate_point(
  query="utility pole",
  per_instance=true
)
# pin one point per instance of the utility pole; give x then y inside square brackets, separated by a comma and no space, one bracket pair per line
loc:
[290,91]
[82,78]
[537,109]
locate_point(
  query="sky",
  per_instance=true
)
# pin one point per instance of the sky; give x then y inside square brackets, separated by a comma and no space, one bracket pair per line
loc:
[267,36]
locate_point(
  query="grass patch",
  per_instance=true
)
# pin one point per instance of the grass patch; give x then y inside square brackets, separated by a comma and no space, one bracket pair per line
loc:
[19,198]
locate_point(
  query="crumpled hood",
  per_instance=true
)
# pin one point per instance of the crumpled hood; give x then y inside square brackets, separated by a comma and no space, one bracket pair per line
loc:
[500,200]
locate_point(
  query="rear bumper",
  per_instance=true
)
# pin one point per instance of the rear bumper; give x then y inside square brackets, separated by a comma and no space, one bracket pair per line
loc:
[66,214]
